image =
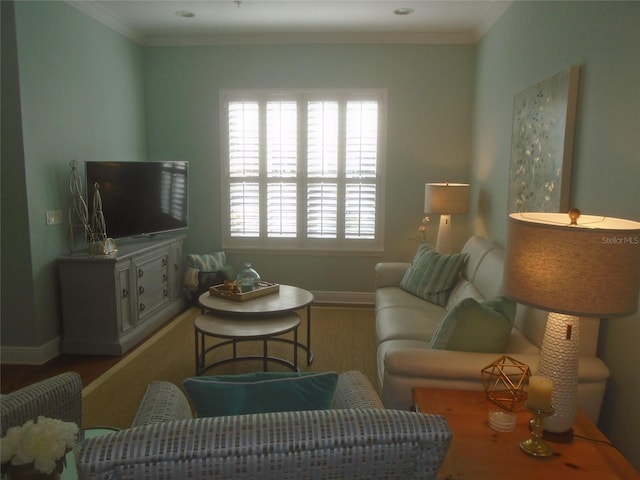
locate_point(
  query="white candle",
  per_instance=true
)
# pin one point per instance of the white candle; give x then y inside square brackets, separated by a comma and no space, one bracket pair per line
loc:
[539,395]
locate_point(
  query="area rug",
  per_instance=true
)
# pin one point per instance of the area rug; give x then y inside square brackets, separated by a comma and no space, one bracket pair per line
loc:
[341,339]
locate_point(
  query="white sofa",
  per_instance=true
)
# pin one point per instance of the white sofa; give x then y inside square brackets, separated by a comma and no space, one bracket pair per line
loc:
[405,324]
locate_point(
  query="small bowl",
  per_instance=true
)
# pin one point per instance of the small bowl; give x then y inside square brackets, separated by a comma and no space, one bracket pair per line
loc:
[502,421]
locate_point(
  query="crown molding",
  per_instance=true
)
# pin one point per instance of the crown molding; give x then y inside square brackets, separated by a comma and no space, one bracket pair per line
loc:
[300,38]
[494,12]
[96,12]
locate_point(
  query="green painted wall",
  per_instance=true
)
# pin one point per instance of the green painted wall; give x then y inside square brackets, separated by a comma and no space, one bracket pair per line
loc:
[84,92]
[16,255]
[81,98]
[430,96]
[532,41]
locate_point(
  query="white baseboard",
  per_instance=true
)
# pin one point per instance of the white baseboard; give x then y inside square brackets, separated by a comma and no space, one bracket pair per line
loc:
[30,355]
[345,298]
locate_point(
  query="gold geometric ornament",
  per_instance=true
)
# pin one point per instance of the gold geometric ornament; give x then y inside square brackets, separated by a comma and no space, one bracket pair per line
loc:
[504,381]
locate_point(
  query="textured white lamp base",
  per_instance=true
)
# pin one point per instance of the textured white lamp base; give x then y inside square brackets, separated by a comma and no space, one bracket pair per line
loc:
[443,244]
[559,361]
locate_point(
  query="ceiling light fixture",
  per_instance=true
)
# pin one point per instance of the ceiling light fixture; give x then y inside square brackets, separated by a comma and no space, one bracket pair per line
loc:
[185,14]
[403,11]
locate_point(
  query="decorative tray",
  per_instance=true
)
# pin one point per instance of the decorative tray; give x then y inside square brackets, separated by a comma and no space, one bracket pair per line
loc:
[227,291]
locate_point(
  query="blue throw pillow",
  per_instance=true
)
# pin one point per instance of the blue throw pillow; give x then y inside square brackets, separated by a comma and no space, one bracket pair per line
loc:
[471,326]
[261,392]
[431,275]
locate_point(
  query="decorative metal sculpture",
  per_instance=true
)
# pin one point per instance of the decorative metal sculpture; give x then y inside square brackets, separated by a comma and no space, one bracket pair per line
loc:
[504,381]
[95,233]
[100,243]
[78,211]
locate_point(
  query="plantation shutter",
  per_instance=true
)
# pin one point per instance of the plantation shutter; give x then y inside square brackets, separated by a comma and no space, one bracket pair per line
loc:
[361,169]
[304,169]
[322,169]
[244,167]
[282,161]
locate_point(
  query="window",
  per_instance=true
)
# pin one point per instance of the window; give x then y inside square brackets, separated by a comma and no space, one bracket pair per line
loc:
[303,169]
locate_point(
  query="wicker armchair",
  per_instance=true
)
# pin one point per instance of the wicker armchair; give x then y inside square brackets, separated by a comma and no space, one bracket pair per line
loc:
[56,397]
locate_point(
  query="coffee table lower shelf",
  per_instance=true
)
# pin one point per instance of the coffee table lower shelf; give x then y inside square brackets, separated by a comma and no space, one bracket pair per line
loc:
[234,330]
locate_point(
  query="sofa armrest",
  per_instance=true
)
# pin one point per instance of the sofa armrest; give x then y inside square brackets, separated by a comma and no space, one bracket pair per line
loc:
[354,390]
[56,397]
[354,443]
[389,274]
[162,402]
[421,367]
[445,364]
[466,366]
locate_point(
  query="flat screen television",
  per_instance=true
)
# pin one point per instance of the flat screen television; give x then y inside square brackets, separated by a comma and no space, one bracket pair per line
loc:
[140,198]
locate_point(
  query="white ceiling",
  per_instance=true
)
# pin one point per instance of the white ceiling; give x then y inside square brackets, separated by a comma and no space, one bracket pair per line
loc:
[154,22]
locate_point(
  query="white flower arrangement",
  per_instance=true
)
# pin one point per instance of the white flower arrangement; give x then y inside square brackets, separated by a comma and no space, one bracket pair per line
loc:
[43,443]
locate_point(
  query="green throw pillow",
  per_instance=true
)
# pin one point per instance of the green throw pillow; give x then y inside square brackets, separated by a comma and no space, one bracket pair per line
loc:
[471,326]
[261,392]
[432,275]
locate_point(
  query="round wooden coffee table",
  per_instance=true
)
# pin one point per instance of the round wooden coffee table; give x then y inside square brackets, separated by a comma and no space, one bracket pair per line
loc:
[287,300]
[234,330]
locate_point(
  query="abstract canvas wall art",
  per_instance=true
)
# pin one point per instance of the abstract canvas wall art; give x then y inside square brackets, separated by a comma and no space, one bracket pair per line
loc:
[544,118]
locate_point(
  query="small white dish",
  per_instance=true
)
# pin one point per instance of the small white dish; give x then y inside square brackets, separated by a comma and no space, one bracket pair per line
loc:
[502,421]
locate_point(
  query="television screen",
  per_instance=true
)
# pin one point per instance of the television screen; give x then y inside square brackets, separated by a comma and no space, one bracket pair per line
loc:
[140,198]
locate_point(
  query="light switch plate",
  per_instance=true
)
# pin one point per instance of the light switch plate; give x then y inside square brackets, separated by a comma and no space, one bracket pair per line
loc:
[54,217]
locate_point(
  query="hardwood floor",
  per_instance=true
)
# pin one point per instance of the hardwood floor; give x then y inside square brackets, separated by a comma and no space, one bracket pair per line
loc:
[90,367]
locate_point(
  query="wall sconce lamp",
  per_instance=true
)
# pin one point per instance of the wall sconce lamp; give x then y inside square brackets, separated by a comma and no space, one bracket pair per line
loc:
[445,199]
[571,267]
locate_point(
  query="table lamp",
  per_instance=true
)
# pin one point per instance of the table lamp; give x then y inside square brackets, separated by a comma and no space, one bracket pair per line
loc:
[445,199]
[570,266]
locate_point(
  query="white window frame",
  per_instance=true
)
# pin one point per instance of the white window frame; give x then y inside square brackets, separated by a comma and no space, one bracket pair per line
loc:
[302,243]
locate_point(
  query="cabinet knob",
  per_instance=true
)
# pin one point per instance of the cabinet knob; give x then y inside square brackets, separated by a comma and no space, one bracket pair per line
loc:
[165,292]
[164,261]
[176,267]
[140,289]
[164,277]
[140,273]
[142,307]
[125,293]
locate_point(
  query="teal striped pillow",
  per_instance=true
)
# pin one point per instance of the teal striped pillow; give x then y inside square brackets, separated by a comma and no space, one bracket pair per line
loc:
[432,275]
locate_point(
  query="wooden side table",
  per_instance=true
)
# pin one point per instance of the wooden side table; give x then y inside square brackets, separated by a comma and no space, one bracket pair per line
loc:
[479,452]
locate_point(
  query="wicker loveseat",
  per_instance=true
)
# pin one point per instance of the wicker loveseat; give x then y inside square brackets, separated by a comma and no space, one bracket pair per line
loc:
[356,438]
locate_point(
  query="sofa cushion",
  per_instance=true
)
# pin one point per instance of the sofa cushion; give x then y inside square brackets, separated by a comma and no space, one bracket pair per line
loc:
[418,323]
[261,392]
[463,289]
[471,326]
[432,275]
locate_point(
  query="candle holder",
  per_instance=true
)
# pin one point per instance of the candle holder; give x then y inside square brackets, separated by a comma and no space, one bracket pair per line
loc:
[535,446]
